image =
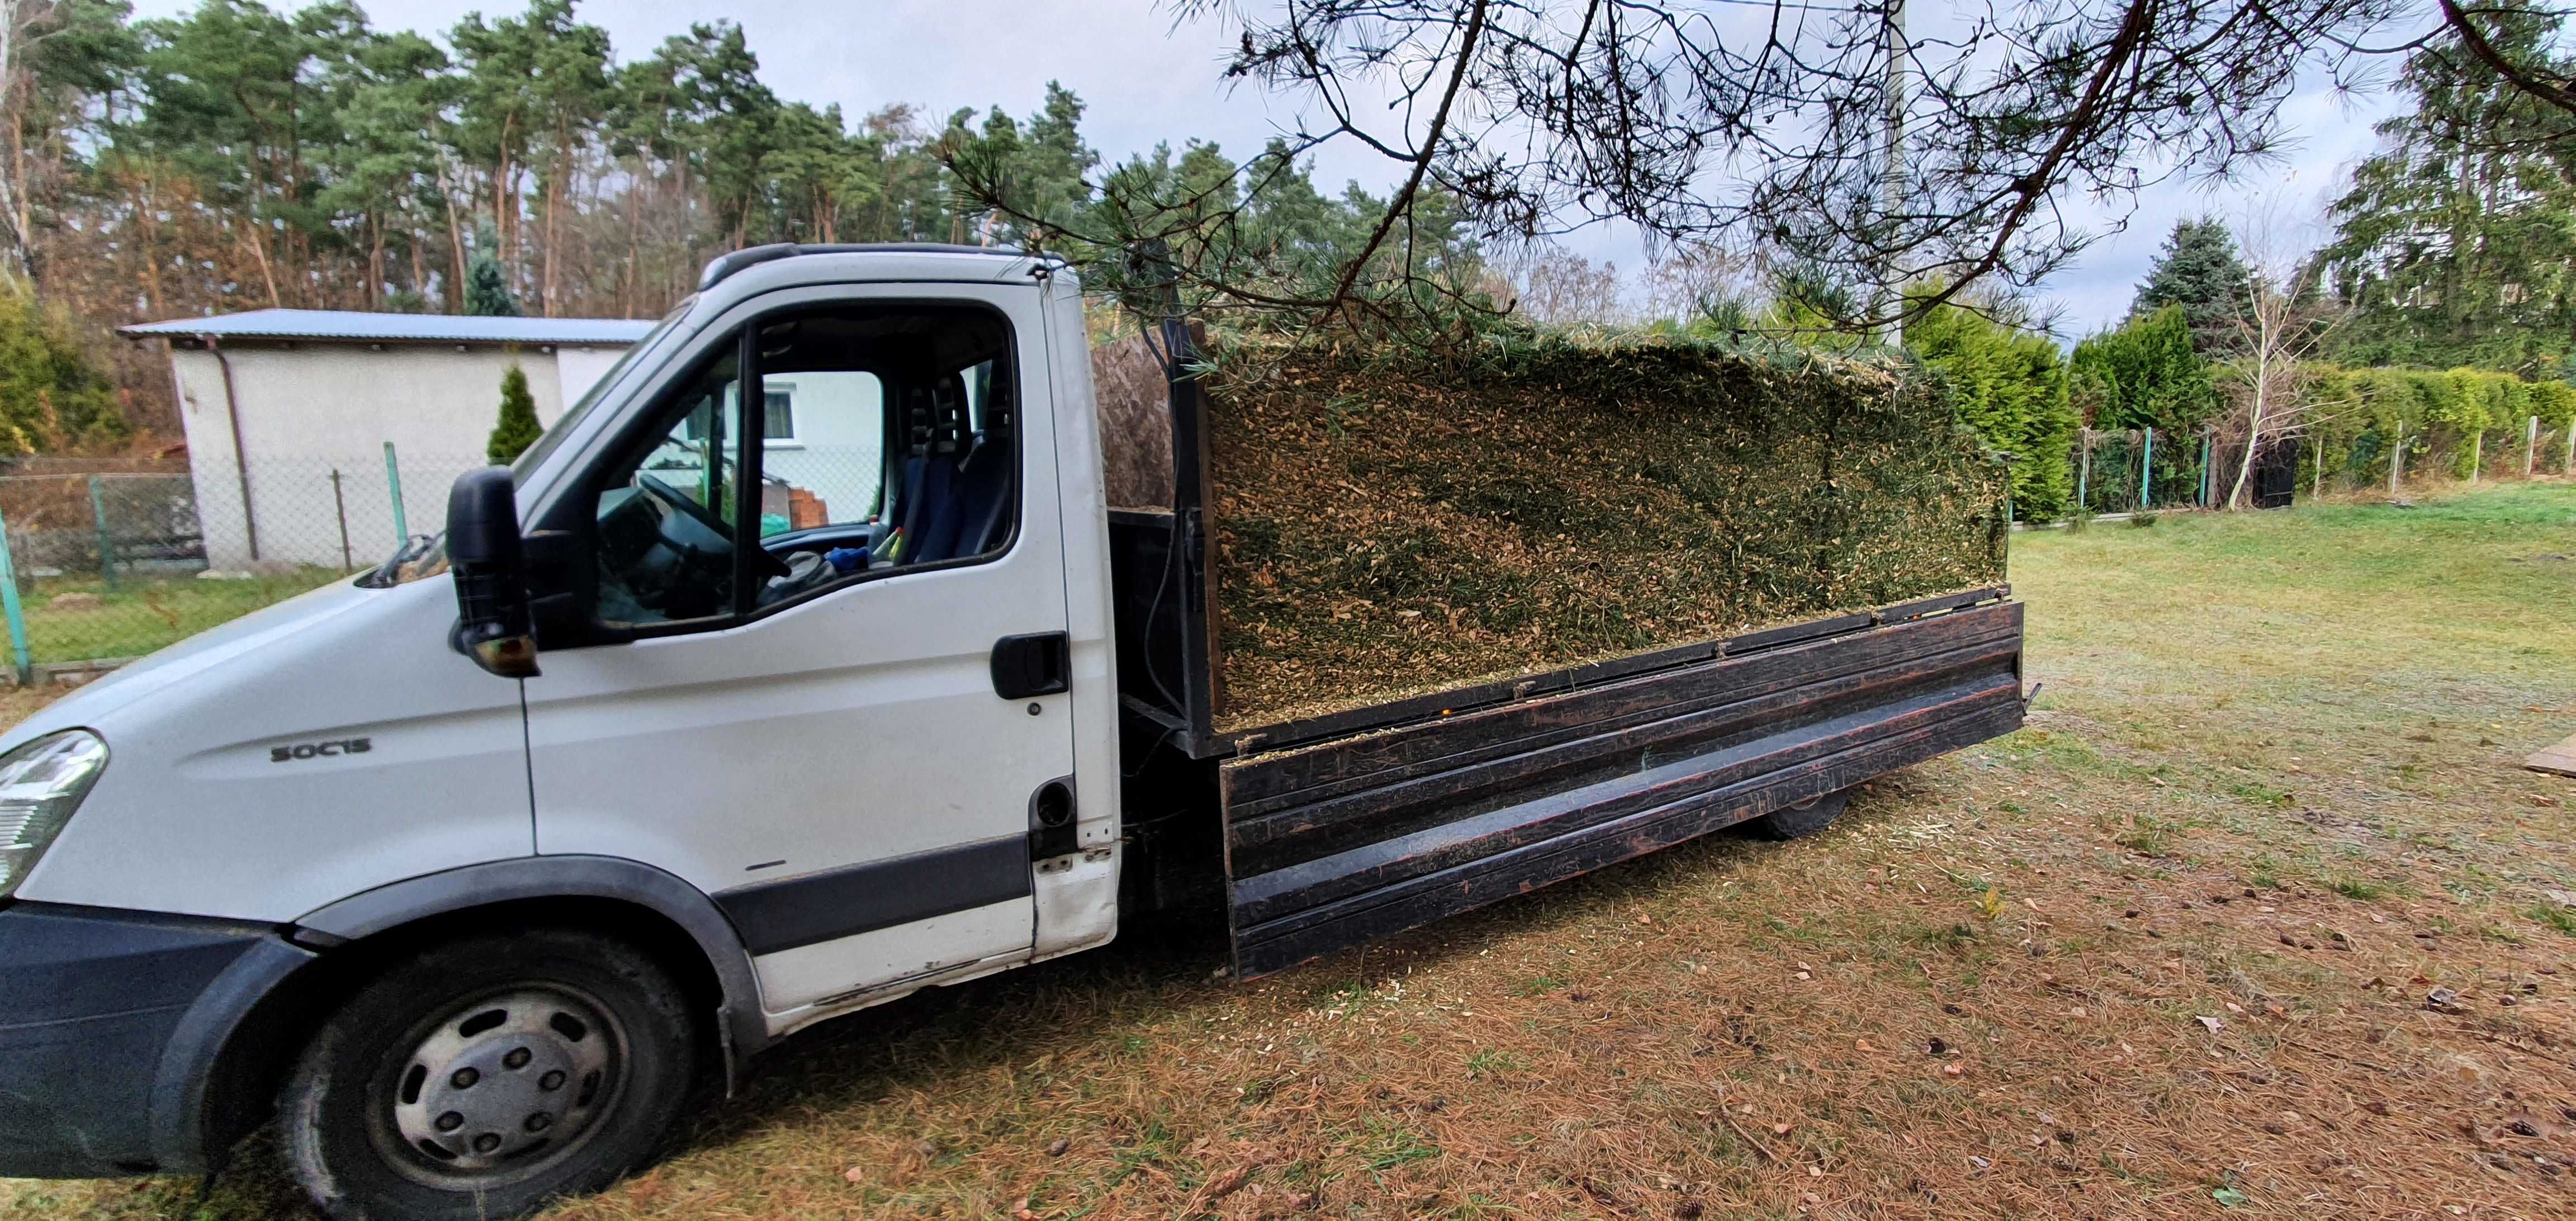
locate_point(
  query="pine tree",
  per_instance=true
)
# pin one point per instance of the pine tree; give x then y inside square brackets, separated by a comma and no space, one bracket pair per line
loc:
[517,428]
[2199,270]
[2457,243]
[487,287]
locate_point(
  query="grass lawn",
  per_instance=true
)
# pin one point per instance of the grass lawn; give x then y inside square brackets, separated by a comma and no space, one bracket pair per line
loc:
[2166,952]
[75,619]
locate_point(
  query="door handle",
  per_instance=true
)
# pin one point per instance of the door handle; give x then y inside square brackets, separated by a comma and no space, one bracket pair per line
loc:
[1040,663]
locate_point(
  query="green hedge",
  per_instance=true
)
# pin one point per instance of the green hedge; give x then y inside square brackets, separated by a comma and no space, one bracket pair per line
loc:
[2447,416]
[1387,525]
[2010,386]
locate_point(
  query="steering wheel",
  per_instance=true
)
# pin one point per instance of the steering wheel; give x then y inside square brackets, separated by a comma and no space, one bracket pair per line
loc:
[673,499]
[719,540]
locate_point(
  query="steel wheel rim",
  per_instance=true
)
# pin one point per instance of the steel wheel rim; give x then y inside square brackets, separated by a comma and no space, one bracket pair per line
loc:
[499,1087]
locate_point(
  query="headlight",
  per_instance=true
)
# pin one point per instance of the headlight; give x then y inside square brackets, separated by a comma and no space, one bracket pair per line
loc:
[41,783]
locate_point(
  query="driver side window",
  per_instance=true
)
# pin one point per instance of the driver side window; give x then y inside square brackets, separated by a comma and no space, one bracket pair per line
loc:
[667,516]
[880,438]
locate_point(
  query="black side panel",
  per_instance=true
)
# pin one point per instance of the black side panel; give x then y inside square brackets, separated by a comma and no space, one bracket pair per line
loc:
[1332,844]
[88,1001]
[785,914]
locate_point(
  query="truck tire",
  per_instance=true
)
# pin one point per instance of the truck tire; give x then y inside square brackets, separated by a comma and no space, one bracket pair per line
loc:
[583,1048]
[1802,820]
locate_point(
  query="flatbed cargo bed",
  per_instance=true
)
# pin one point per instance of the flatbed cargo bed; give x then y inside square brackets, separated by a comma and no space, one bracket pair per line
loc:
[1337,828]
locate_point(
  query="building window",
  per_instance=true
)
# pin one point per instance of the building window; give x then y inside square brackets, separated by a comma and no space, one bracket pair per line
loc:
[779,423]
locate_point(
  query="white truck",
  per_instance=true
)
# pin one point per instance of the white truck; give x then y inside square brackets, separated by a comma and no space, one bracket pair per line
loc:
[716,716]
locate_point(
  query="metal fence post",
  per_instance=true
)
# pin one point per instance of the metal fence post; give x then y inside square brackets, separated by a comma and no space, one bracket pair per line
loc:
[2083,465]
[2147,470]
[17,614]
[2397,458]
[2206,490]
[2530,444]
[393,480]
[106,541]
[340,508]
[2477,453]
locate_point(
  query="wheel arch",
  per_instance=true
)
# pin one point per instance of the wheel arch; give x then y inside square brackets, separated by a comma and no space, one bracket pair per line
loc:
[211,1088]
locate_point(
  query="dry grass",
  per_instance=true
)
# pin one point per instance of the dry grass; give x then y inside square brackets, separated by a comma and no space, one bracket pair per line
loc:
[2271,784]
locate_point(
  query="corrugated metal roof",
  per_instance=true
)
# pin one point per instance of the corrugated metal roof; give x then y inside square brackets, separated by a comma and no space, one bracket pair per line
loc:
[361,327]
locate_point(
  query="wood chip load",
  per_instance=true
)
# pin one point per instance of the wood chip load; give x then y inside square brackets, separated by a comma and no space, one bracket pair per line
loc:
[1390,526]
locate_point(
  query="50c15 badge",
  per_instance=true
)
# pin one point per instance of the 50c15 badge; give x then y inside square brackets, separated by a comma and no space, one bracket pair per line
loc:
[315,750]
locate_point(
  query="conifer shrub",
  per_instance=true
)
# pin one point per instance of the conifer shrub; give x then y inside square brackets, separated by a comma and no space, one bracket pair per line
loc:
[1389,524]
[517,428]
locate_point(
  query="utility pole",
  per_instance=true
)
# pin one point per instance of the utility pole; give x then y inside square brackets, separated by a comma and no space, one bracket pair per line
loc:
[1891,177]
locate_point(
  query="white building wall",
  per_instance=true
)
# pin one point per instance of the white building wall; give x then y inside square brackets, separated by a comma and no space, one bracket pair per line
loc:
[577,369]
[311,409]
[838,452]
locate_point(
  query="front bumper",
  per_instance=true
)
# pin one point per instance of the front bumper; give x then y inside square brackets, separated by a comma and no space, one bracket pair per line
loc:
[92,1005]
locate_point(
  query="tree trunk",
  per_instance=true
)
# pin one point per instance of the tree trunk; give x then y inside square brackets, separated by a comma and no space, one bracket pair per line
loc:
[259,252]
[20,269]
[455,241]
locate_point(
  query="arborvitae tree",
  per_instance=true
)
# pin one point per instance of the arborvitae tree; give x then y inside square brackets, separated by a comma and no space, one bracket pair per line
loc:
[2199,270]
[487,287]
[517,428]
[2144,374]
[2009,386]
[2147,374]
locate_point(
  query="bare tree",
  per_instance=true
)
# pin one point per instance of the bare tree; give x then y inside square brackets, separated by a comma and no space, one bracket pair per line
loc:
[2279,330]
[1550,283]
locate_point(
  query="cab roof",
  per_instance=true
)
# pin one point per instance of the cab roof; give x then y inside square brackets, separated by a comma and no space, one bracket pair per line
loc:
[724,266]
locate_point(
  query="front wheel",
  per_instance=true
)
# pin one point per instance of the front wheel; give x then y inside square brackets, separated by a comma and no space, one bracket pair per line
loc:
[488,1076]
[1802,820]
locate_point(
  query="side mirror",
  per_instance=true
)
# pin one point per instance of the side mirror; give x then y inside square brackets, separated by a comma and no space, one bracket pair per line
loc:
[491,577]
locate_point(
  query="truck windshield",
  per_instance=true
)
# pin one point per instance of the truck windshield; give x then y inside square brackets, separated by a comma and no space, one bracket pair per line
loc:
[426,555]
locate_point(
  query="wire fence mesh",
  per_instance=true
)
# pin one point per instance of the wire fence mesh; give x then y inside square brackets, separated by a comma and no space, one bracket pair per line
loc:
[110,565]
[2389,458]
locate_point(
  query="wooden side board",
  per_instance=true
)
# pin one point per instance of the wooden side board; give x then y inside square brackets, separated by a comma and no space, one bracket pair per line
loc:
[1333,843]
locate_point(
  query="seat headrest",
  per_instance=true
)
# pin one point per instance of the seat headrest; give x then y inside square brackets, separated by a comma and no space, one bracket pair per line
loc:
[920,421]
[948,415]
[1001,413]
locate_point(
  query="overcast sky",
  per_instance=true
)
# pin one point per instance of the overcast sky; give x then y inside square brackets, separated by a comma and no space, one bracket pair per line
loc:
[1146,79]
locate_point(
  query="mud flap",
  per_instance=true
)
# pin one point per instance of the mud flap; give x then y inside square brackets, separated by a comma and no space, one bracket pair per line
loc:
[1334,843]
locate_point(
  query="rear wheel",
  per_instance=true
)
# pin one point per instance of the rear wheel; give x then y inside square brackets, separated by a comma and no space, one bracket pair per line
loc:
[486,1077]
[1802,820]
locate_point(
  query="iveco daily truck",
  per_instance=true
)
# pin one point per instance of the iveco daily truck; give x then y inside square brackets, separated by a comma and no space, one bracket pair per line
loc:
[800,666]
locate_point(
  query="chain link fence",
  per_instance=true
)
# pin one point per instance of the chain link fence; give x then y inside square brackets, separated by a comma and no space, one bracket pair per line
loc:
[105,566]
[2143,470]
[2388,458]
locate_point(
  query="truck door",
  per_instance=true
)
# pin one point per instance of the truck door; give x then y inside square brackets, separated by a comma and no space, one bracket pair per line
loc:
[803,553]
